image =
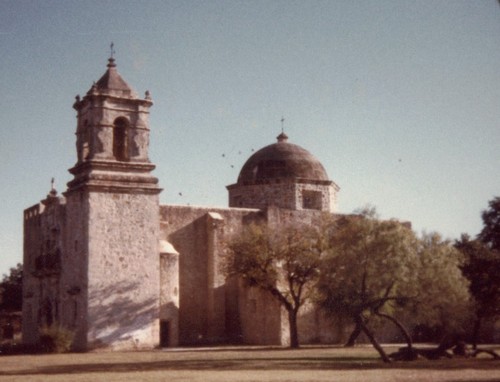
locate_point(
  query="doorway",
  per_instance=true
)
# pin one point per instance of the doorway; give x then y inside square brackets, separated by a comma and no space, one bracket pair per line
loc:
[164,333]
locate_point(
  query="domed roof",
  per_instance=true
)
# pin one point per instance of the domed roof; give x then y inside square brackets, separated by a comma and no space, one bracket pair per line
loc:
[282,161]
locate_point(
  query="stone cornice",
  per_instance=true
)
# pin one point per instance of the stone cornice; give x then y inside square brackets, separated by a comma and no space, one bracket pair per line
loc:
[284,181]
[114,176]
[112,165]
[113,188]
[79,104]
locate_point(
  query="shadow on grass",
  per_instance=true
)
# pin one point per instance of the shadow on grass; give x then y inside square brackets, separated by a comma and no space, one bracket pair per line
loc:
[261,364]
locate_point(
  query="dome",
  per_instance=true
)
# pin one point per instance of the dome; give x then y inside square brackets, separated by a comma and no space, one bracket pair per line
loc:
[282,161]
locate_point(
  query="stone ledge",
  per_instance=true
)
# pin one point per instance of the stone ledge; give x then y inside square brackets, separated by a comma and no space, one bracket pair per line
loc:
[112,165]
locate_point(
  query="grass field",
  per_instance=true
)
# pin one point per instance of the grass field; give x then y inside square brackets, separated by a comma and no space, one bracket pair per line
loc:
[242,364]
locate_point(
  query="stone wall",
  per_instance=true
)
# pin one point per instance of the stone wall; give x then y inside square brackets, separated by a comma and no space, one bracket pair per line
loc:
[44,244]
[75,268]
[262,195]
[286,195]
[325,197]
[123,271]
[199,235]
[169,296]
[32,245]
[261,318]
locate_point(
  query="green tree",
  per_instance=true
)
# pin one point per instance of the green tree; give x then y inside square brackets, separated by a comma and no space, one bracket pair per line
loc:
[367,271]
[490,234]
[442,298]
[381,270]
[11,290]
[283,262]
[481,268]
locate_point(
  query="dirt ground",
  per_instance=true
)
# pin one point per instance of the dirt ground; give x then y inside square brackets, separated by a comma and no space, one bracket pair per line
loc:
[242,364]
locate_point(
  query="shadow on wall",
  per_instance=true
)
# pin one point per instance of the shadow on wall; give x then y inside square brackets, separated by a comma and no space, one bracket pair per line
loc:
[169,325]
[121,315]
[191,242]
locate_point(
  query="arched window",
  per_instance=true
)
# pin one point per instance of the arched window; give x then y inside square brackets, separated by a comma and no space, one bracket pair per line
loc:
[120,139]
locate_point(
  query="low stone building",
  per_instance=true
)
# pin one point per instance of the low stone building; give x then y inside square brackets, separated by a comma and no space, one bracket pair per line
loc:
[107,261]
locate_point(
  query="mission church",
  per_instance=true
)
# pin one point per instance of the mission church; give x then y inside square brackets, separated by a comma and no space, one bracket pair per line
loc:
[121,271]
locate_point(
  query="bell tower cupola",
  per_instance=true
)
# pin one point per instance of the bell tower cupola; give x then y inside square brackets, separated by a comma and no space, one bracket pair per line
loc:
[112,135]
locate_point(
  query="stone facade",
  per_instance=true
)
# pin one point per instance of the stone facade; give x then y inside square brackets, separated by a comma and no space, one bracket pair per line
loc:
[44,246]
[319,196]
[110,263]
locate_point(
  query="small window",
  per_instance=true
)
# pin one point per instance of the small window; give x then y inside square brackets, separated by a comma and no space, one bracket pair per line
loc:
[120,139]
[311,200]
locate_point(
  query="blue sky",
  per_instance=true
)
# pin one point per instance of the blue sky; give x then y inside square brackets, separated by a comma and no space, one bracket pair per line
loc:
[398,99]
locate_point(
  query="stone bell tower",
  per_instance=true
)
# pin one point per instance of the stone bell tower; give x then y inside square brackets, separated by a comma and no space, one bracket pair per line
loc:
[113,220]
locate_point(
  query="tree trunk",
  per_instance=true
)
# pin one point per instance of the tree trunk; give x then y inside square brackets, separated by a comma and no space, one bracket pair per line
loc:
[475,333]
[372,339]
[292,322]
[354,335]
[403,330]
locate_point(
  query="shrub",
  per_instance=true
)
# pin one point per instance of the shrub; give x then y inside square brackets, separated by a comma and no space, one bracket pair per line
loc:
[55,339]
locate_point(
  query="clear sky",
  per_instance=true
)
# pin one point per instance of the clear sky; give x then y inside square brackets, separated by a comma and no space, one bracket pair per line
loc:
[400,100]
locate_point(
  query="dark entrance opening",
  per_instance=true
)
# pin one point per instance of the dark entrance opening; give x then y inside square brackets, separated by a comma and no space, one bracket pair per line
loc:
[164,333]
[8,332]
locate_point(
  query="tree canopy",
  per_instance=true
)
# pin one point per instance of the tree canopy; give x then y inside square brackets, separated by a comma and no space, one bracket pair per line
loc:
[11,290]
[381,269]
[490,234]
[368,268]
[442,298]
[283,262]
[481,268]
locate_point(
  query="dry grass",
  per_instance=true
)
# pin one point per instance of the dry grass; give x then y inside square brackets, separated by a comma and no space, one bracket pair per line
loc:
[242,364]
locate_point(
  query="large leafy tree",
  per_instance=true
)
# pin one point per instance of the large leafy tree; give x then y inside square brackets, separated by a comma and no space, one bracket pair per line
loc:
[367,271]
[481,267]
[490,234]
[11,290]
[380,269]
[442,298]
[283,261]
